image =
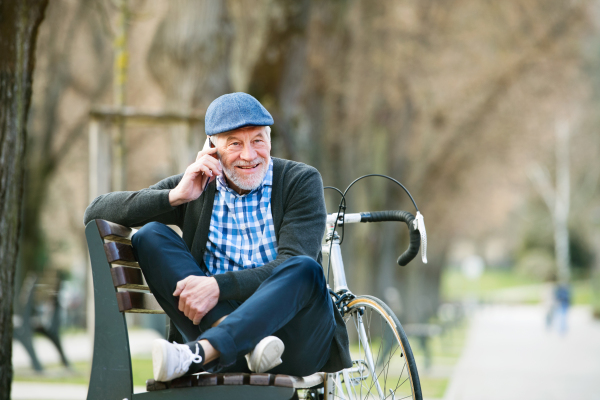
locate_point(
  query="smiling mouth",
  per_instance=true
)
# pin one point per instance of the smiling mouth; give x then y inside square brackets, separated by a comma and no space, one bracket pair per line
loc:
[247,167]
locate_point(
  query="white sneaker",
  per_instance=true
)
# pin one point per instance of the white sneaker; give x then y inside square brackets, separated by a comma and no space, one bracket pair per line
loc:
[266,355]
[172,360]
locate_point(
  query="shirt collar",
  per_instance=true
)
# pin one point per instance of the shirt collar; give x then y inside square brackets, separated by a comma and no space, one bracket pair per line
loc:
[267,181]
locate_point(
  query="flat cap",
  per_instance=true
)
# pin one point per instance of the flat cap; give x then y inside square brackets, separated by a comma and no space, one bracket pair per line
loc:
[235,110]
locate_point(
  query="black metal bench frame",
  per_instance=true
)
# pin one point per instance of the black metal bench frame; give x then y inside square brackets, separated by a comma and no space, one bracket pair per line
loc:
[115,272]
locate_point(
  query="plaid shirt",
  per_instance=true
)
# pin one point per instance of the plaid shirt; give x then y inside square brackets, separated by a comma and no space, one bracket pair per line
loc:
[242,234]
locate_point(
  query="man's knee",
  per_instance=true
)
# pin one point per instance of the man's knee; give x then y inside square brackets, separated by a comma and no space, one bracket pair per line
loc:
[305,269]
[148,236]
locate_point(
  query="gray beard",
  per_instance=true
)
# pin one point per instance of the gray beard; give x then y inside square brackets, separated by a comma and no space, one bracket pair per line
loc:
[244,182]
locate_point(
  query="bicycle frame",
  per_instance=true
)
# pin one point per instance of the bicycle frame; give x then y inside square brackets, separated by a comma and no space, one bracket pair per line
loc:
[331,248]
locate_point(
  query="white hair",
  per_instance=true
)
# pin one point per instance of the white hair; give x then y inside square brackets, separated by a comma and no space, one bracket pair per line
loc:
[213,138]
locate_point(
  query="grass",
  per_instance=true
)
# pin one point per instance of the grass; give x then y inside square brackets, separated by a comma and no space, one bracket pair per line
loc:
[445,351]
[80,373]
[433,388]
[506,286]
[582,292]
[455,286]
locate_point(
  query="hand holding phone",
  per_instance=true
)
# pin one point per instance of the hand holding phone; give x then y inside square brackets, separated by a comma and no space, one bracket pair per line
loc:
[211,146]
[197,176]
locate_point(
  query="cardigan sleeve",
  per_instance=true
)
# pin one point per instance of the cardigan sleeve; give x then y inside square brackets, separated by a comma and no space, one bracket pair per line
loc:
[137,208]
[300,233]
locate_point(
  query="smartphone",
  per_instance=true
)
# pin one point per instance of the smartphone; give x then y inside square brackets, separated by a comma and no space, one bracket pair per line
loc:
[208,144]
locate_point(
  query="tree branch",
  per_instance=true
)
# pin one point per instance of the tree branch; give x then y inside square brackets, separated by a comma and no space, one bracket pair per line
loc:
[541,180]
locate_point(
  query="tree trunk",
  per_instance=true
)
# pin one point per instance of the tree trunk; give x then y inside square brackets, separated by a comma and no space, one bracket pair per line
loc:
[19,22]
[49,141]
[562,203]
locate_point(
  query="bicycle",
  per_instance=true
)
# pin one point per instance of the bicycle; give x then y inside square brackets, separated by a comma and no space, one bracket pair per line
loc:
[383,363]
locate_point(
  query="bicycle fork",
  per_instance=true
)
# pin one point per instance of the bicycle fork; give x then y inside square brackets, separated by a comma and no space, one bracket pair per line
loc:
[370,364]
[333,382]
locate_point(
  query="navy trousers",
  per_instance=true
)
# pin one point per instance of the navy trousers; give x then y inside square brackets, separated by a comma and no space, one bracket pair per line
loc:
[292,304]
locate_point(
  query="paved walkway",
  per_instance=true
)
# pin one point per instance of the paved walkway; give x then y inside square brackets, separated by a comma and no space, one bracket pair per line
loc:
[510,355]
[78,348]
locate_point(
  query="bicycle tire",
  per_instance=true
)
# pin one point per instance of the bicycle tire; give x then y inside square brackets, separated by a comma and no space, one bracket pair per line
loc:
[391,356]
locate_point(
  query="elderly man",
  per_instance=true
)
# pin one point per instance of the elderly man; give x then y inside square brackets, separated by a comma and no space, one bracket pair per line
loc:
[243,285]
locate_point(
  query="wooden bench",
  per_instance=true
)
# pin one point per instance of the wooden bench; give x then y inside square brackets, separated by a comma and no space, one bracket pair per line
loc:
[119,288]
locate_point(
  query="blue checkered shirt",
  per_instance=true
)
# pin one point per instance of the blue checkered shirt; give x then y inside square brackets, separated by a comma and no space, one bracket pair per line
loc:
[242,233]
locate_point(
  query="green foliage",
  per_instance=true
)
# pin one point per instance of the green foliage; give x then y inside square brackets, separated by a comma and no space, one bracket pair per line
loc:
[582,256]
[535,255]
[537,263]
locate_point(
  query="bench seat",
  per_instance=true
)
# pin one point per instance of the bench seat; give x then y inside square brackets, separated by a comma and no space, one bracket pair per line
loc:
[206,379]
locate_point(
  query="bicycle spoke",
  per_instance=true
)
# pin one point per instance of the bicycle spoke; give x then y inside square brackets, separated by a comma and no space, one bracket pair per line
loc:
[379,368]
[386,366]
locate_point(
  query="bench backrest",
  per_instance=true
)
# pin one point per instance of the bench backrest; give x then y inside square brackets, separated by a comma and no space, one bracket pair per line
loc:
[111,375]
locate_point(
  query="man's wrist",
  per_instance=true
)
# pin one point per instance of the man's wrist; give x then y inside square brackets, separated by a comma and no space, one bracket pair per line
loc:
[217,286]
[174,198]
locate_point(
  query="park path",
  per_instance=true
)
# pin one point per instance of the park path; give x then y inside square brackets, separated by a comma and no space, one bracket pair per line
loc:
[78,347]
[509,354]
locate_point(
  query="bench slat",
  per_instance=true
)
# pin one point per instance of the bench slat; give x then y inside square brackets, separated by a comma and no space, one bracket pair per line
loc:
[235,379]
[208,380]
[128,278]
[262,379]
[283,380]
[114,232]
[141,303]
[119,253]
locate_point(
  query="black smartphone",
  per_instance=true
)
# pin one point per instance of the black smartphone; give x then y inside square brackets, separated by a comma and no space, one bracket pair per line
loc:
[209,144]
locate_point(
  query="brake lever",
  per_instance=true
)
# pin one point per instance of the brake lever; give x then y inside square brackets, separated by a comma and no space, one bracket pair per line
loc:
[419,224]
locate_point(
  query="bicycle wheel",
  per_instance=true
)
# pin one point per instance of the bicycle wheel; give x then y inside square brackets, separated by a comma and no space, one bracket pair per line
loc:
[383,363]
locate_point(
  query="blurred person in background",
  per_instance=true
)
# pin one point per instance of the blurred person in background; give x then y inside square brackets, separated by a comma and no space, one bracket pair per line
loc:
[244,282]
[562,295]
[557,300]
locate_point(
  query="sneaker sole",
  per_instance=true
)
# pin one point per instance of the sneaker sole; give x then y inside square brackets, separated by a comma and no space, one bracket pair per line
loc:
[159,354]
[269,356]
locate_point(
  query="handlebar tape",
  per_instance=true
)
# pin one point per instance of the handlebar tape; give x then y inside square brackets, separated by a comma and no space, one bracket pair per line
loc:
[404,216]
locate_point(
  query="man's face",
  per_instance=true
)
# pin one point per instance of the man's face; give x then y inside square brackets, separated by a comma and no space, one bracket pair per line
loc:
[245,154]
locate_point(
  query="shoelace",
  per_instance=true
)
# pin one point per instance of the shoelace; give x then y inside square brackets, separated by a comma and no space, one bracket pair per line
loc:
[186,357]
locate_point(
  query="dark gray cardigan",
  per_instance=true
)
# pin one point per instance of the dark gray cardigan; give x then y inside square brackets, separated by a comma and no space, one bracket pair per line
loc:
[299,215]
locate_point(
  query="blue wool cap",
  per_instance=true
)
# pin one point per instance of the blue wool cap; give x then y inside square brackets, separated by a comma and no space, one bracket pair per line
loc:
[235,110]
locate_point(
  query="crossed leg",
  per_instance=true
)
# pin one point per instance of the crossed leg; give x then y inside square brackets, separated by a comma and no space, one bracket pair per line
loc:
[292,304]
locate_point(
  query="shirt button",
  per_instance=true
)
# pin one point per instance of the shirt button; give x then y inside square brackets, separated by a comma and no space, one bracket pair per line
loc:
[243,226]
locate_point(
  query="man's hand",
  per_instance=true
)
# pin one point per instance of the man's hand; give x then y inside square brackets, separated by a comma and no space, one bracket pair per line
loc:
[206,167]
[197,296]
